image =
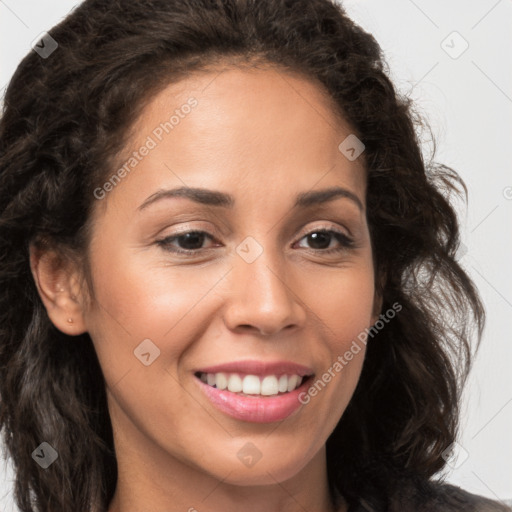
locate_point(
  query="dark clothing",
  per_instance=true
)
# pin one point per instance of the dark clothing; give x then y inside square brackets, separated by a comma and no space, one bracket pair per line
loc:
[435,497]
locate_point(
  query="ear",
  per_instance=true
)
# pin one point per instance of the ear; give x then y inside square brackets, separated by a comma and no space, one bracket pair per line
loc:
[58,286]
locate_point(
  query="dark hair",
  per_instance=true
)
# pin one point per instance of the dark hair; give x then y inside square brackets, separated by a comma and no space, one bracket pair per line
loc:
[65,121]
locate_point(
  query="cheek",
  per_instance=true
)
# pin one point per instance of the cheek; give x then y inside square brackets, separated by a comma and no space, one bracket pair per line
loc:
[344,311]
[137,302]
[343,301]
[138,298]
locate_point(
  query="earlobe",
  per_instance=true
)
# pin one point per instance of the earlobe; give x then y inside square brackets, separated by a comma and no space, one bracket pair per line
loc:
[58,289]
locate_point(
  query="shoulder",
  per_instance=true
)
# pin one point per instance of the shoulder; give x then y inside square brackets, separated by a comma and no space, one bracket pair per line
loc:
[435,496]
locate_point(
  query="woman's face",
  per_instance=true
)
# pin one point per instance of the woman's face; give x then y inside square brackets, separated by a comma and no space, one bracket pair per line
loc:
[259,291]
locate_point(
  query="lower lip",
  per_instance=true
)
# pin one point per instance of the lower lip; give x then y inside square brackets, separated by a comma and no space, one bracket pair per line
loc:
[254,409]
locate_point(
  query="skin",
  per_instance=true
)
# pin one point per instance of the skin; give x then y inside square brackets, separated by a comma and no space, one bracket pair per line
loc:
[262,136]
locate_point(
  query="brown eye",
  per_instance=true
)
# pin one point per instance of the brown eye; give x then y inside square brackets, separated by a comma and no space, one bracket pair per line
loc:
[320,239]
[189,242]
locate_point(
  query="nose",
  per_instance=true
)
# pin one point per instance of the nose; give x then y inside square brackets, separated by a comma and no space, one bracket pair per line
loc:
[261,297]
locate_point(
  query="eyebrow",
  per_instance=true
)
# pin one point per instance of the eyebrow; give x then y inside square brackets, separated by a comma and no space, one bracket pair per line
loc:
[221,199]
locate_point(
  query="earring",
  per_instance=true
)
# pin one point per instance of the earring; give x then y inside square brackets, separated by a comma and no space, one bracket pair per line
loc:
[70,320]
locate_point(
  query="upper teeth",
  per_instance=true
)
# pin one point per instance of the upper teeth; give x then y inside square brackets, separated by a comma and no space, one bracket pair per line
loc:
[252,384]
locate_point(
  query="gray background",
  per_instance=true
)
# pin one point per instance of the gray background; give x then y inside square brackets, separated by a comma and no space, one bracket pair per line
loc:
[468,100]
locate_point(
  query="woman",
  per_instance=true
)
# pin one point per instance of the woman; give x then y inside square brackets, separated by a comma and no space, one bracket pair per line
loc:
[141,372]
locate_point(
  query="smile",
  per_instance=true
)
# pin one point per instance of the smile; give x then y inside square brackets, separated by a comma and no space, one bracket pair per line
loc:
[268,385]
[255,391]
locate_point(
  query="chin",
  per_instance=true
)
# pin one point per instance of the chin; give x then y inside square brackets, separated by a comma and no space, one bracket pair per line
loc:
[268,470]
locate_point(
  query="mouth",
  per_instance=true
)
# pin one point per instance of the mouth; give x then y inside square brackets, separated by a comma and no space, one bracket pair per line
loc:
[253,391]
[251,385]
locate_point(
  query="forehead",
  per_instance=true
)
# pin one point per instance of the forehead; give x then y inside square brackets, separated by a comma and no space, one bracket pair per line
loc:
[261,133]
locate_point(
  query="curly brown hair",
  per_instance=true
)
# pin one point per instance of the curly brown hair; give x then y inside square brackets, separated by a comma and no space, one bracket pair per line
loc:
[66,117]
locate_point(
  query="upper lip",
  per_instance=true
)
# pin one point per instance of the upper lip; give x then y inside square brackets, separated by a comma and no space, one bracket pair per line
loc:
[254,367]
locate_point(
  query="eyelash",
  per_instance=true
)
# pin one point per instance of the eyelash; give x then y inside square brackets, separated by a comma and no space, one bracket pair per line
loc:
[344,240]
